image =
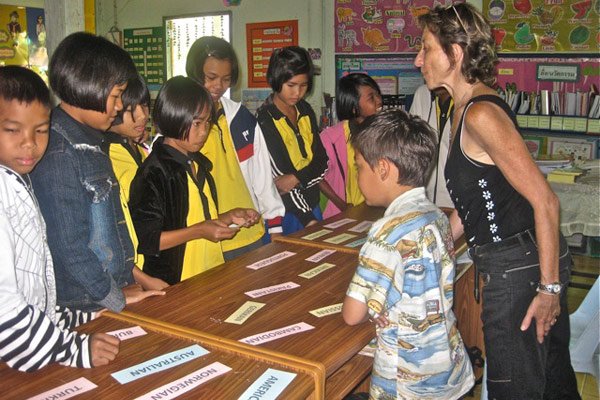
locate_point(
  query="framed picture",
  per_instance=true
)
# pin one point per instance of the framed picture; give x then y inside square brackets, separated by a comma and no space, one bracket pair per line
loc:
[535,145]
[578,150]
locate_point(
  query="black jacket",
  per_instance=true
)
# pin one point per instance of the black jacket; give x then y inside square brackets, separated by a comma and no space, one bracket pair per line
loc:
[159,202]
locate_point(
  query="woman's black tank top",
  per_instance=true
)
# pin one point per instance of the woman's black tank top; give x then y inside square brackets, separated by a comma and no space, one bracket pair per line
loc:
[489,207]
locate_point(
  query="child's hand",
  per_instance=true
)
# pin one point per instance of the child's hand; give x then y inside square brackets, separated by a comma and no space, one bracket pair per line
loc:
[214,230]
[241,217]
[381,320]
[134,293]
[152,283]
[285,183]
[311,223]
[103,348]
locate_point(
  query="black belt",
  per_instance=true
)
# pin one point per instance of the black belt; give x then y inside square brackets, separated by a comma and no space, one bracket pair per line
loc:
[521,238]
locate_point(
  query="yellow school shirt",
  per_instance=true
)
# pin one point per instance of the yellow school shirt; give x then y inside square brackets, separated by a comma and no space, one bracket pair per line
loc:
[125,167]
[353,193]
[232,191]
[200,254]
[289,137]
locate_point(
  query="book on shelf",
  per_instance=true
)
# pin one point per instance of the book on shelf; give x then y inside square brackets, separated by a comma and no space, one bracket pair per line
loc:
[564,175]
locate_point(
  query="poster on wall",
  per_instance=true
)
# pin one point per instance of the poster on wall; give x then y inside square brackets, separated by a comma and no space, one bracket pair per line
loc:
[146,48]
[384,26]
[529,26]
[261,39]
[394,75]
[13,36]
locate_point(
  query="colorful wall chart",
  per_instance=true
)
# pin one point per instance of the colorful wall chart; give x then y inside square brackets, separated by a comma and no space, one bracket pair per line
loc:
[261,39]
[380,26]
[23,37]
[530,26]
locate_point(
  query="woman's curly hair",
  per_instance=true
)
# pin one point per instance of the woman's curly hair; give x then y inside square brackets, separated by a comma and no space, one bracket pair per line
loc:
[464,25]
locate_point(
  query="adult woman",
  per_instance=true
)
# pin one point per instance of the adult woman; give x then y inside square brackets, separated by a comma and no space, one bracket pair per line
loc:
[508,212]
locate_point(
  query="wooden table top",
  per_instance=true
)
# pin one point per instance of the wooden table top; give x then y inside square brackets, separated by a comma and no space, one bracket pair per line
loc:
[358,213]
[205,301]
[244,370]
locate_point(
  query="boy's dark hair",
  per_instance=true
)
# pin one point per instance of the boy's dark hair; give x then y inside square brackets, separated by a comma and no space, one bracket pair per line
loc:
[210,46]
[348,96]
[180,100]
[23,85]
[84,69]
[135,94]
[405,140]
[286,63]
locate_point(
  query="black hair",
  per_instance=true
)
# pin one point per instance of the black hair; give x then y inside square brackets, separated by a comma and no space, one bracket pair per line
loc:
[23,85]
[14,14]
[210,46]
[180,100]
[287,62]
[405,140]
[136,94]
[348,94]
[85,68]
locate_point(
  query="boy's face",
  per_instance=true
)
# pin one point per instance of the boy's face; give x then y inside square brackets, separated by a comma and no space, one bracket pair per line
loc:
[23,134]
[369,182]
[103,120]
[134,124]
[217,77]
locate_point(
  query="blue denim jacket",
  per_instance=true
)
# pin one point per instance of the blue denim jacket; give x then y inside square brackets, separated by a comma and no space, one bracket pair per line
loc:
[79,198]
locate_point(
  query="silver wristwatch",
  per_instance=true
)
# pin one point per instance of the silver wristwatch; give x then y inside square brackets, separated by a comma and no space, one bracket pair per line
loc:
[550,288]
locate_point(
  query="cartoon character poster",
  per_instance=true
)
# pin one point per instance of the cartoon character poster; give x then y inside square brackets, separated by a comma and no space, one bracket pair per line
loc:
[13,36]
[36,32]
[380,26]
[545,26]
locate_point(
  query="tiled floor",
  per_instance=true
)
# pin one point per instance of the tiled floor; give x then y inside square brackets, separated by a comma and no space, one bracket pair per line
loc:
[586,383]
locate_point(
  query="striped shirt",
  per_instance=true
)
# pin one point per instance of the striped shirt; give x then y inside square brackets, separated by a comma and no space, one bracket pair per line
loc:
[34,332]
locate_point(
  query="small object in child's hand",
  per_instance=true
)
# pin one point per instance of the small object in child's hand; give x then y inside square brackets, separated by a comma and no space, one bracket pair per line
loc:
[234,226]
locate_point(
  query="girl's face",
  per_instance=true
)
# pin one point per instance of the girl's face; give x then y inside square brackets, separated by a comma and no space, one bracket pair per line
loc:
[217,77]
[432,60]
[293,90]
[103,120]
[197,134]
[369,102]
[134,124]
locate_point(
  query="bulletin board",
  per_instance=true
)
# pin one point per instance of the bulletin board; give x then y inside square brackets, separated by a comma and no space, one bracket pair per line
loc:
[533,26]
[145,45]
[395,75]
[384,26]
[261,39]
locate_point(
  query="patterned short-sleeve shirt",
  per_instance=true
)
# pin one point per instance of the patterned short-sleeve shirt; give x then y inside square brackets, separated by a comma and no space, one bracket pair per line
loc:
[406,271]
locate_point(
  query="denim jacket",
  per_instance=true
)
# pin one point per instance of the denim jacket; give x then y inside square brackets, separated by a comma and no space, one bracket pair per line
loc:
[87,234]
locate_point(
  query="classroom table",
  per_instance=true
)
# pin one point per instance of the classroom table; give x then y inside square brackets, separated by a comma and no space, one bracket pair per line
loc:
[245,369]
[320,234]
[204,303]
[466,309]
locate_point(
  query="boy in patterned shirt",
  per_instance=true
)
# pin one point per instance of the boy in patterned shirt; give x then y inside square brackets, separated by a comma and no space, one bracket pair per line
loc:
[405,274]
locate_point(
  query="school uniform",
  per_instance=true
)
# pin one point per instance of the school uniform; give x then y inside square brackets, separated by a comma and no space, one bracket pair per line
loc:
[167,195]
[242,172]
[297,151]
[341,174]
[125,161]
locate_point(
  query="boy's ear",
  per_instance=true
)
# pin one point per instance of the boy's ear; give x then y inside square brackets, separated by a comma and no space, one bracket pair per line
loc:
[383,169]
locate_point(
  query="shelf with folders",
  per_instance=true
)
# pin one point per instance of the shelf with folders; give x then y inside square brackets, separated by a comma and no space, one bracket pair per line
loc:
[577,112]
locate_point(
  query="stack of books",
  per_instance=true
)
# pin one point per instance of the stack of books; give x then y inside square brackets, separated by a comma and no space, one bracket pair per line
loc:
[564,175]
